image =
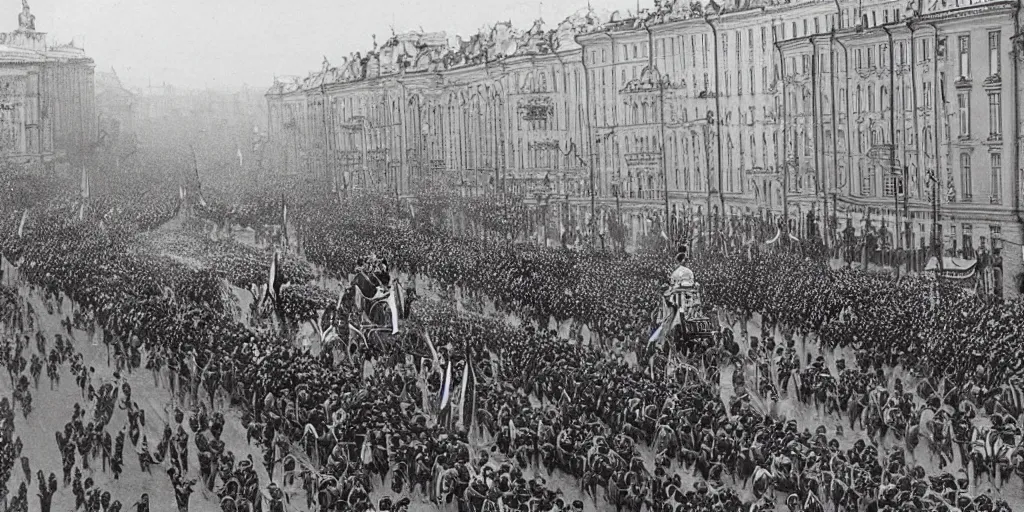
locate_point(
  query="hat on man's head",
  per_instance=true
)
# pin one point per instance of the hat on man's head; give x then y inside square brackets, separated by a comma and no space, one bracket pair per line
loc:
[681,253]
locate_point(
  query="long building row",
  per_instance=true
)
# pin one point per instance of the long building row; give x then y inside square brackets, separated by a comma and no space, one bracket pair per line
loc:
[886,116]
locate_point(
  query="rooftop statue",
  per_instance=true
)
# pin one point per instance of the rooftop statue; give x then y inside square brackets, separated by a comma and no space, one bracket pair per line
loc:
[536,40]
[503,41]
[355,67]
[26,20]
[393,55]
[582,21]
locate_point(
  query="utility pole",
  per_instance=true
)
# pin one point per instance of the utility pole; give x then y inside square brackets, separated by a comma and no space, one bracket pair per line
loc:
[784,167]
[817,107]
[591,147]
[661,118]
[933,178]
[707,160]
[894,172]
[327,146]
[718,119]
[940,264]
[593,202]
[833,223]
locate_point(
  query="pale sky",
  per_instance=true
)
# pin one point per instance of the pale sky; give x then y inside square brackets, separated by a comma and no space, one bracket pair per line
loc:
[225,44]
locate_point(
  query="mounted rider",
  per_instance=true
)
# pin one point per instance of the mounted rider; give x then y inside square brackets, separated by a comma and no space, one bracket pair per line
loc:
[682,283]
[375,288]
[375,270]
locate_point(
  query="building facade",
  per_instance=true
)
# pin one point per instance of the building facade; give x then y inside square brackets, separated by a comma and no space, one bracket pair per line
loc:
[893,118]
[223,131]
[47,104]
[115,107]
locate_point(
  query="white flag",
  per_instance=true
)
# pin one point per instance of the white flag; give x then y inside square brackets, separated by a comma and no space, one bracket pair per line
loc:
[85,184]
[21,227]
[392,302]
[446,389]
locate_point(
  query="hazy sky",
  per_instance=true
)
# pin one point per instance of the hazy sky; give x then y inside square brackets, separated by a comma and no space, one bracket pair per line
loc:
[230,43]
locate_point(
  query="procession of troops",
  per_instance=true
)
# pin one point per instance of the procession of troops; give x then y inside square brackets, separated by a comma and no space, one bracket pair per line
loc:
[389,363]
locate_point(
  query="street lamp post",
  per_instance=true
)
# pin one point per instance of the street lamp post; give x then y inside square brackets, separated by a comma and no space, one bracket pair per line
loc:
[707,159]
[618,206]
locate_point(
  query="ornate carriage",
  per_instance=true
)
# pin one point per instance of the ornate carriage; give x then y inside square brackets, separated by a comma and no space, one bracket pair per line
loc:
[683,306]
[377,295]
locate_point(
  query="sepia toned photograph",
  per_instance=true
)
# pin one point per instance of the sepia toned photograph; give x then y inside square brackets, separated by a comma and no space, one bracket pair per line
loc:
[512,256]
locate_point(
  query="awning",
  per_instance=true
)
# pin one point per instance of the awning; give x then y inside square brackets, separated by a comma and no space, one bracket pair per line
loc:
[953,268]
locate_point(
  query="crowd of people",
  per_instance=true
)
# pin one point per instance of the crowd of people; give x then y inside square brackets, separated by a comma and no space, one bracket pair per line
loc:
[913,321]
[341,422]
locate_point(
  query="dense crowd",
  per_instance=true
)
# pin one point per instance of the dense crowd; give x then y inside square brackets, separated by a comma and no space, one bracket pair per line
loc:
[911,321]
[341,419]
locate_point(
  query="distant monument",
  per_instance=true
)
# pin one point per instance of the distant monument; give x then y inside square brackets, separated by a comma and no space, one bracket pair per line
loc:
[26,20]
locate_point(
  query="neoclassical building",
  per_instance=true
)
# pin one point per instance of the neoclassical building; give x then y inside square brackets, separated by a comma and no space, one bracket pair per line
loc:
[506,110]
[47,103]
[889,116]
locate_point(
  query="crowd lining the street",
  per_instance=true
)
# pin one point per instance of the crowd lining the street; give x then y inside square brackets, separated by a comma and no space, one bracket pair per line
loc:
[340,420]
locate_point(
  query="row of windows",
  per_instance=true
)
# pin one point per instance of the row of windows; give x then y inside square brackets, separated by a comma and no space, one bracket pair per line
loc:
[782,31]
[679,151]
[995,115]
[869,178]
[964,54]
[995,178]
[866,57]
[877,56]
